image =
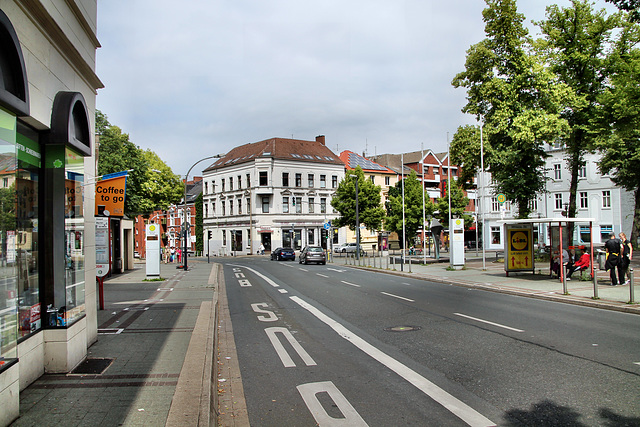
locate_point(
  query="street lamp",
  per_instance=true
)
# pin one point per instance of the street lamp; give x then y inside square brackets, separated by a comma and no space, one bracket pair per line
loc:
[185,225]
[357,220]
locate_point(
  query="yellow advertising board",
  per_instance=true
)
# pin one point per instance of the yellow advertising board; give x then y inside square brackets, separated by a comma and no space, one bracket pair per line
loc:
[110,196]
[518,254]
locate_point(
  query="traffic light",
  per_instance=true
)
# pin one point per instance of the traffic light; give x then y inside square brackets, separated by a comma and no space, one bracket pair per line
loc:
[293,201]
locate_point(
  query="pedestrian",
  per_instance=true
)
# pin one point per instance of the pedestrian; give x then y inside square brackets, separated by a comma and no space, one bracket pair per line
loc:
[261,249]
[167,254]
[556,260]
[179,255]
[173,253]
[627,254]
[613,247]
[580,265]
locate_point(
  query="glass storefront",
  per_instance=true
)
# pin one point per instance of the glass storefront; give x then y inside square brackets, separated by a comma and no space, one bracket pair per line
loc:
[74,240]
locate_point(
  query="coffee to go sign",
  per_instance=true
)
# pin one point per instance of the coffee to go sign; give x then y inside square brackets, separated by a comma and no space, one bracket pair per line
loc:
[110,195]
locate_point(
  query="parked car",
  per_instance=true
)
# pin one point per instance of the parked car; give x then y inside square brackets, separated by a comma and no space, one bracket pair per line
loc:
[348,248]
[312,254]
[283,254]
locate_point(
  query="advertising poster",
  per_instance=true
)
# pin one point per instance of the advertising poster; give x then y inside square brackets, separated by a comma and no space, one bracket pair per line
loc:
[519,248]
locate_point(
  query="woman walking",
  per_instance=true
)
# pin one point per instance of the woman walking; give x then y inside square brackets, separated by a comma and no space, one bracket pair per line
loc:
[627,254]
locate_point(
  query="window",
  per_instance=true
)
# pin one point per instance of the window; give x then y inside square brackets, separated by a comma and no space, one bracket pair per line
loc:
[223,209]
[264,179]
[239,182]
[310,179]
[334,181]
[387,180]
[223,184]
[495,235]
[606,199]
[285,205]
[582,172]
[248,180]
[206,212]
[5,182]
[213,208]
[436,170]
[206,187]
[311,202]
[230,207]
[323,181]
[239,206]
[558,198]
[557,171]
[584,200]
[265,204]
[533,205]
[230,184]
[495,206]
[323,205]
[298,180]
[248,205]
[213,187]
[285,179]
[372,179]
[585,236]
[298,204]
[605,230]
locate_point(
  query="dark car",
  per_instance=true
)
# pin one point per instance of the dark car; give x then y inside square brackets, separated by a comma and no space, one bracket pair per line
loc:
[313,254]
[282,254]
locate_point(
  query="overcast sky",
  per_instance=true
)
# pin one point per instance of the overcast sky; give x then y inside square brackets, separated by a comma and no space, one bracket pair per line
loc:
[196,78]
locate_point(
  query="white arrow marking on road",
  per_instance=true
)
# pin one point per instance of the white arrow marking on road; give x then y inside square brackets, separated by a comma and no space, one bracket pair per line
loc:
[310,391]
[489,323]
[396,296]
[287,361]
[451,403]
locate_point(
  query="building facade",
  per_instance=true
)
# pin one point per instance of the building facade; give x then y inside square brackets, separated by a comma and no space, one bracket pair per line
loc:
[48,310]
[274,193]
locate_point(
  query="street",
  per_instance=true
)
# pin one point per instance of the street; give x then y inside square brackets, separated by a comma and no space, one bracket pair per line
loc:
[328,344]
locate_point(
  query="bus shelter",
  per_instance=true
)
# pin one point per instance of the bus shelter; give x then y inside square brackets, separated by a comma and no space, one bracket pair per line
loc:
[519,245]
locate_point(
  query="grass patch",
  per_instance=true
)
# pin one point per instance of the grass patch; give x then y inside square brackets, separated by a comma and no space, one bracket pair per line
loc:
[157,279]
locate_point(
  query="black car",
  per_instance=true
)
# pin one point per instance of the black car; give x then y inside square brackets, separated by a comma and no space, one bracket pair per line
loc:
[282,254]
[313,254]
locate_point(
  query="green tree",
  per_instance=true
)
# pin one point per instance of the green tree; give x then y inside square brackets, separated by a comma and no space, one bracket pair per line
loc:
[518,100]
[459,203]
[619,138]
[631,6]
[575,45]
[465,151]
[370,211]
[150,183]
[413,204]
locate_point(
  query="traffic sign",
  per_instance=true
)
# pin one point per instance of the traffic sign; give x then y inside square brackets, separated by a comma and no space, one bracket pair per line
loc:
[501,198]
[327,225]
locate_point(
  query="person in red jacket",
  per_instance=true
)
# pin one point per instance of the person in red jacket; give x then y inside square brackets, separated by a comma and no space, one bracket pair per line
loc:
[582,264]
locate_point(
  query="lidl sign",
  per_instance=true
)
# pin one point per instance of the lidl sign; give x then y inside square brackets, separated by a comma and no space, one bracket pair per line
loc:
[519,248]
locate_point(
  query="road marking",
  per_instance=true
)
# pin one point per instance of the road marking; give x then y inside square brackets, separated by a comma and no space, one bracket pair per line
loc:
[286,360]
[310,391]
[270,315]
[335,269]
[451,403]
[403,283]
[489,323]
[350,284]
[322,275]
[266,279]
[302,269]
[396,296]
[636,363]
[283,291]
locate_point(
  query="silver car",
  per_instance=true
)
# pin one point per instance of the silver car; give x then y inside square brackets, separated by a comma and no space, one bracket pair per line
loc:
[312,254]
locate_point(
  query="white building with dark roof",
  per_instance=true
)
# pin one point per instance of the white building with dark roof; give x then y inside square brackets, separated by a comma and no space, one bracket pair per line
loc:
[275,192]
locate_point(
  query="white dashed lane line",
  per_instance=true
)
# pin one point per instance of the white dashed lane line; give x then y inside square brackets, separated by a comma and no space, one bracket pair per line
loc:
[350,284]
[488,322]
[397,296]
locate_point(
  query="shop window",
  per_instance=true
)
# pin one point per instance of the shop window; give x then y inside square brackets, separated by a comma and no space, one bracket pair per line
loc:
[74,304]
[585,235]
[605,231]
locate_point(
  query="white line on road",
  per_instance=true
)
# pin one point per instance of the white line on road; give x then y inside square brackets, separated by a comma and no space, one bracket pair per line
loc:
[451,403]
[269,281]
[403,283]
[302,269]
[489,323]
[322,275]
[350,284]
[335,269]
[396,296]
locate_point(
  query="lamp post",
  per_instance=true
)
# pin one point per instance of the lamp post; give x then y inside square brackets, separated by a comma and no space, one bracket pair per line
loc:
[357,220]
[186,225]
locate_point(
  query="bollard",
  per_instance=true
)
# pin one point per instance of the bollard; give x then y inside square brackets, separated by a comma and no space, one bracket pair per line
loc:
[409,264]
[595,284]
[631,296]
[564,280]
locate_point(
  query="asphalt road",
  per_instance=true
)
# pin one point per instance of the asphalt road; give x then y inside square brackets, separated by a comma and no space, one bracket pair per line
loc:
[330,345]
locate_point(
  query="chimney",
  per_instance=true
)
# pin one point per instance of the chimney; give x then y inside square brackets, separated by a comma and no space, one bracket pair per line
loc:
[320,139]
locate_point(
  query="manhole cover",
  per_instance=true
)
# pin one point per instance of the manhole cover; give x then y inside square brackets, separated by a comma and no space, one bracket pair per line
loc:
[92,366]
[403,328]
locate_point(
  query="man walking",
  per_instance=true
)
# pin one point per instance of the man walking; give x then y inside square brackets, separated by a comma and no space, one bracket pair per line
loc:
[613,247]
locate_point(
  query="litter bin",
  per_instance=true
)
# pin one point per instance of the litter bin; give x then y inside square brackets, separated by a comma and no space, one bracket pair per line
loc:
[602,258]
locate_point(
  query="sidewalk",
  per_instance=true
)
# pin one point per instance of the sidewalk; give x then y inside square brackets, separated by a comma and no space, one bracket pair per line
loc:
[538,285]
[134,375]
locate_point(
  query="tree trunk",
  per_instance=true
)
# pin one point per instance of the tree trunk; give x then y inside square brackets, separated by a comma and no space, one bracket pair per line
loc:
[635,227]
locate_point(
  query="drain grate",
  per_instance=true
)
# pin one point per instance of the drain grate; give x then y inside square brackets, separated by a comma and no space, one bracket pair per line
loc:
[95,366]
[403,328]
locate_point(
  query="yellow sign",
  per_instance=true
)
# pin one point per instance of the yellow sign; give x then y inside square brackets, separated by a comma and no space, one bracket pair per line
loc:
[501,198]
[110,196]
[519,253]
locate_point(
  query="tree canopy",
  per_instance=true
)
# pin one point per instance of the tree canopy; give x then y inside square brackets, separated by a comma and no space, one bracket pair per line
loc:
[370,211]
[151,184]
[413,203]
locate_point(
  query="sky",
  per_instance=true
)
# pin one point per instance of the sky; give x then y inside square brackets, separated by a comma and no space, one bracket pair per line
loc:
[197,78]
